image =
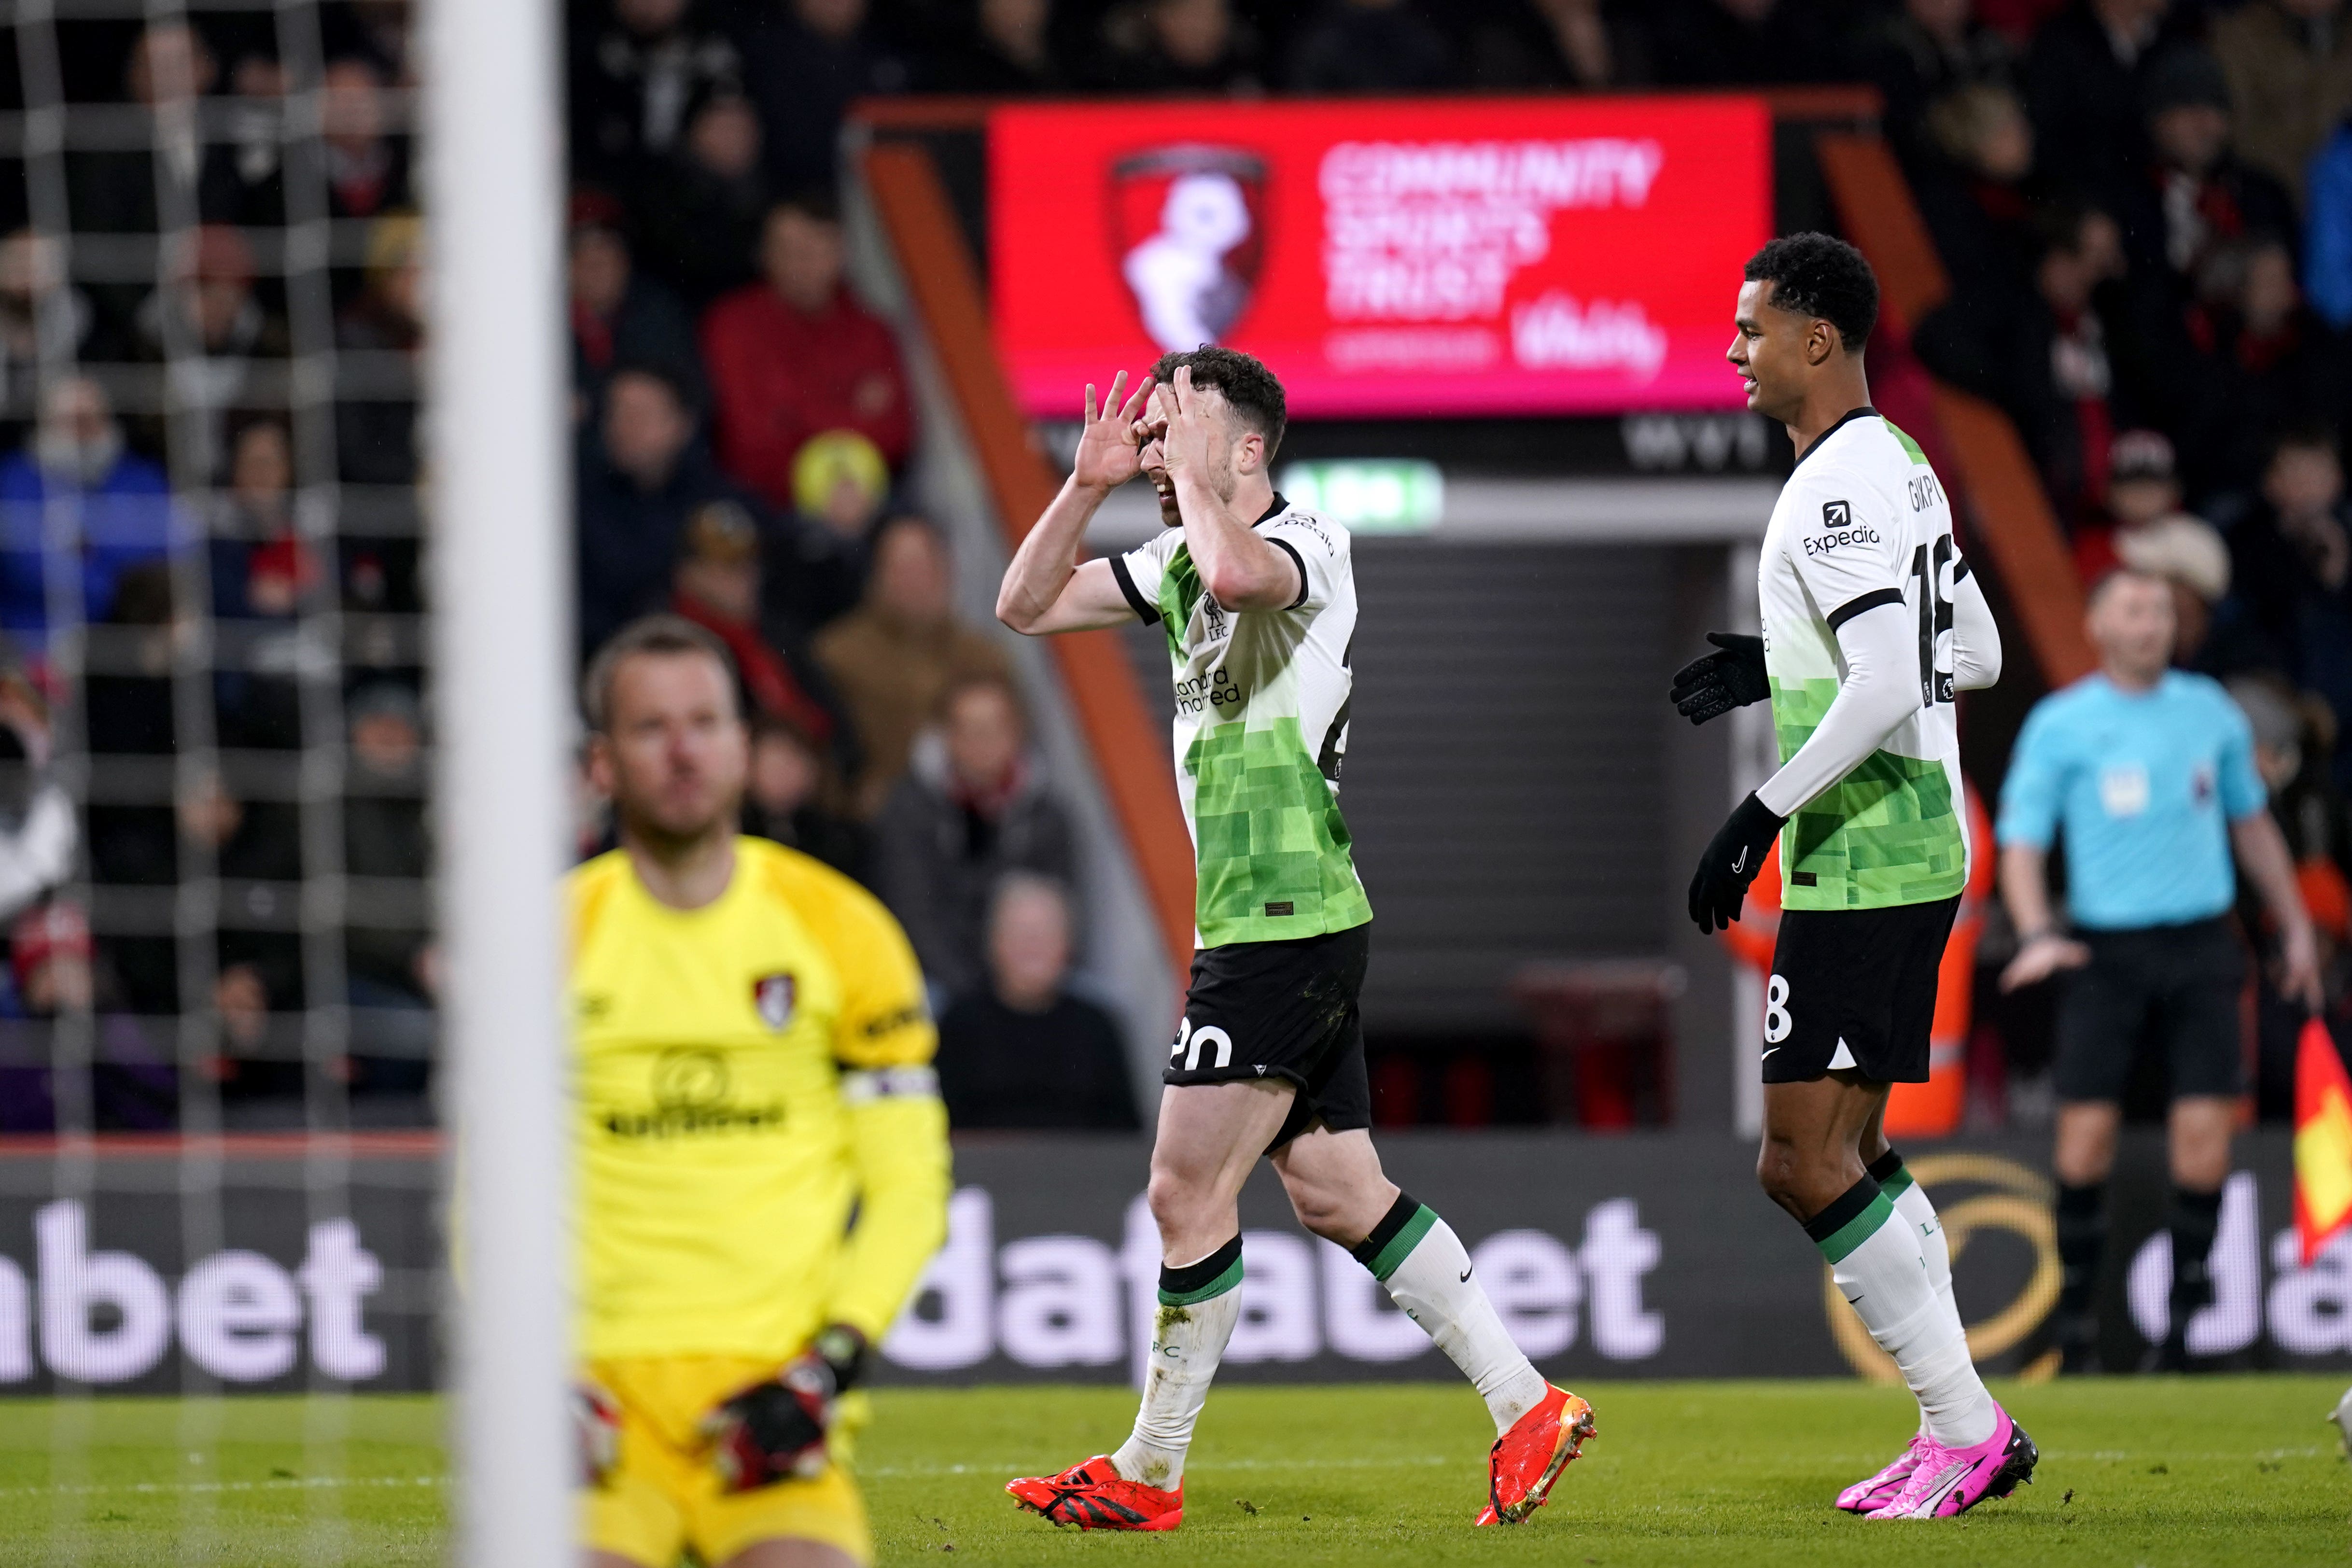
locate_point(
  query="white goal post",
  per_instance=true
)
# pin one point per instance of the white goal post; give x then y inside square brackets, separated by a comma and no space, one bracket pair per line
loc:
[499,510]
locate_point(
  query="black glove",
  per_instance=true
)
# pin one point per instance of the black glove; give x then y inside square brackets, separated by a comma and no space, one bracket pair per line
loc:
[1714,685]
[777,1429]
[1733,858]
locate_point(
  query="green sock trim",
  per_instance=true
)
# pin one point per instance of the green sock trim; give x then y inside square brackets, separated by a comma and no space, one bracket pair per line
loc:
[1229,1280]
[1895,1185]
[1400,1248]
[1855,1231]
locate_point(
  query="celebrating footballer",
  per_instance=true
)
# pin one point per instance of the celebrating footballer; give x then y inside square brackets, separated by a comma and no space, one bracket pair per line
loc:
[1257,601]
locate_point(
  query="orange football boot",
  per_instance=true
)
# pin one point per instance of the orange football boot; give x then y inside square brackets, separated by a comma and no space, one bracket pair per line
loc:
[1528,1458]
[1095,1496]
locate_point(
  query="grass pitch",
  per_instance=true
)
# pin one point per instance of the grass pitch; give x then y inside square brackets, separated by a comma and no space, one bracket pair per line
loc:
[2160,1471]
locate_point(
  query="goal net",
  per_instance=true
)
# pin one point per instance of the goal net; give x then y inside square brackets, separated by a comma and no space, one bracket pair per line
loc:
[240,979]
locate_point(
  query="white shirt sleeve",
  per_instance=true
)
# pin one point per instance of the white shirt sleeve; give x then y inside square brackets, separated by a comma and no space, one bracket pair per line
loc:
[1879,692]
[1140,571]
[1976,638]
[1320,548]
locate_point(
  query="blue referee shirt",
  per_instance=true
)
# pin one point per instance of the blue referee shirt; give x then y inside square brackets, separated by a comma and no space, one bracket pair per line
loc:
[2146,784]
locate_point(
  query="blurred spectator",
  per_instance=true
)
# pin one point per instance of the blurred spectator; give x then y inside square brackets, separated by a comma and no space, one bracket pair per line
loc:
[794,355]
[716,584]
[2327,236]
[816,555]
[375,418]
[2290,67]
[1726,43]
[2293,563]
[366,167]
[1019,1050]
[389,961]
[1185,47]
[254,846]
[53,973]
[701,208]
[1973,179]
[1926,50]
[2263,360]
[209,333]
[896,656]
[2199,196]
[1010,53]
[968,812]
[77,509]
[2141,488]
[2045,358]
[785,797]
[619,317]
[1572,44]
[635,74]
[263,576]
[641,475]
[157,170]
[806,62]
[2083,84]
[44,322]
[1368,47]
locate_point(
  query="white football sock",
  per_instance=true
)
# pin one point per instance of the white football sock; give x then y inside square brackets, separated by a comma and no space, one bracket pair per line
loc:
[1877,1257]
[1199,1305]
[1417,1256]
[1910,1201]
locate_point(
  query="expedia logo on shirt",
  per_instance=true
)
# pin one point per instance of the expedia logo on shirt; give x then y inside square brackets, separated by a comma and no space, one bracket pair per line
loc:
[691,1087]
[1837,521]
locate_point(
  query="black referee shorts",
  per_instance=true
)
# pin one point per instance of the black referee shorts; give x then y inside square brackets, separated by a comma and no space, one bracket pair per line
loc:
[2171,987]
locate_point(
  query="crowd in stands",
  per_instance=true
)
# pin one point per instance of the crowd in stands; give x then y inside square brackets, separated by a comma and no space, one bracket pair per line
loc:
[2145,209]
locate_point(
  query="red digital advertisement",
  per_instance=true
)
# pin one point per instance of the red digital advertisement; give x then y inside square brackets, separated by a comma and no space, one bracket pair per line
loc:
[1386,258]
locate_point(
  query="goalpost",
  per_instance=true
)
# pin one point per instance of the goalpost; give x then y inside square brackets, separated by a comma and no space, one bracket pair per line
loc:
[500,498]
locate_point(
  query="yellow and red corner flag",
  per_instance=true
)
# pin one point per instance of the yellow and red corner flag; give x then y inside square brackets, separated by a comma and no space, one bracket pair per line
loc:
[2322,1141]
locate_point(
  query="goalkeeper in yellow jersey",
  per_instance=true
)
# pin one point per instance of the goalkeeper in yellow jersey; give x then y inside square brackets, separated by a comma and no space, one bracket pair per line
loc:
[752,1064]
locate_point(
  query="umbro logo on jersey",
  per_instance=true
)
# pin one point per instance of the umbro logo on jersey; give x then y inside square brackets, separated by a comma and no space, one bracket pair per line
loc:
[773,996]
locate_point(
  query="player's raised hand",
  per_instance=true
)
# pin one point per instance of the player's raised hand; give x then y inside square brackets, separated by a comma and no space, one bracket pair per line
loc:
[1108,453]
[1715,683]
[1190,427]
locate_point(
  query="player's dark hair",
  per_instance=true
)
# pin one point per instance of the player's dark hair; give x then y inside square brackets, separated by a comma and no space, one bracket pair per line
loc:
[653,635]
[1250,389]
[1821,275]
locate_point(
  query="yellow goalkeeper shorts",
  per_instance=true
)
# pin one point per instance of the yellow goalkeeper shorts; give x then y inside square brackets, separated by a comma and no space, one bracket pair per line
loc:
[663,1494]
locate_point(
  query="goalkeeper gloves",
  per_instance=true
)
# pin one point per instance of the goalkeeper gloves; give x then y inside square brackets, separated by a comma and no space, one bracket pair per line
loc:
[774,1430]
[1715,684]
[596,1427]
[1732,859]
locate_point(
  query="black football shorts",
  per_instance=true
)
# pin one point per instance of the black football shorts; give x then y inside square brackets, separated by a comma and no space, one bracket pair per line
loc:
[1854,989]
[2174,988]
[1285,1010]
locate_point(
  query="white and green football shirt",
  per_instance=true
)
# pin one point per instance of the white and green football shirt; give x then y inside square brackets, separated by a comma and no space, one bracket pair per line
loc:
[1261,729]
[1861,523]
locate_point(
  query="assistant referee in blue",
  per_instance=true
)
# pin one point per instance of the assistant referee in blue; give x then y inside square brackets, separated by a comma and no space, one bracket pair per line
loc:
[2150,771]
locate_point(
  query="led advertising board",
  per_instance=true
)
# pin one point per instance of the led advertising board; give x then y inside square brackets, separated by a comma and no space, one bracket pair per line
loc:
[1388,258]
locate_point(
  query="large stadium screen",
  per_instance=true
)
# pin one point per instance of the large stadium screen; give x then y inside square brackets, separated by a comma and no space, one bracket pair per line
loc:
[1386,258]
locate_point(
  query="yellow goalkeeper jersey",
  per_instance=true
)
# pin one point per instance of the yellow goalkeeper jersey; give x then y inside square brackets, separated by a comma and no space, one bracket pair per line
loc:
[747,1075]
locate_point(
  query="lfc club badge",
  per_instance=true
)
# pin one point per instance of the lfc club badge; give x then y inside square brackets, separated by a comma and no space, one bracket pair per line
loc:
[772,997]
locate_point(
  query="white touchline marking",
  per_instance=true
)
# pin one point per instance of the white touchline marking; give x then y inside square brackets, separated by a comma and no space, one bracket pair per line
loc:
[275,1483]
